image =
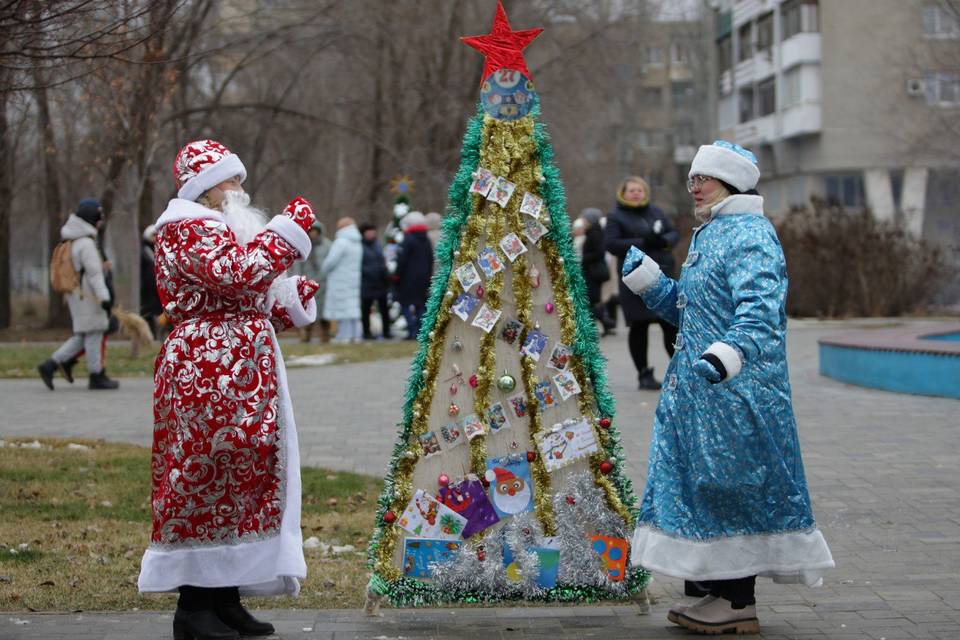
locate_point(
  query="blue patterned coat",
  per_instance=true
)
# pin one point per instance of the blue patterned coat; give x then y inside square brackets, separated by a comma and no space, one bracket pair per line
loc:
[726,495]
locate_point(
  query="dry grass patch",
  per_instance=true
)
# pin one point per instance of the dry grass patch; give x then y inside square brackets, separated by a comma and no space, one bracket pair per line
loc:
[74,521]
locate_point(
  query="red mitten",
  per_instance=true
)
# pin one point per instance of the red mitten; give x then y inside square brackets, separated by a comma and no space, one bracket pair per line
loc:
[306,289]
[301,212]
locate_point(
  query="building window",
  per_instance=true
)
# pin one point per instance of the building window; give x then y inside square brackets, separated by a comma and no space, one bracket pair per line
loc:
[654,57]
[790,88]
[651,96]
[799,16]
[683,135]
[846,190]
[765,32]
[940,22]
[943,89]
[746,42]
[650,139]
[767,96]
[682,95]
[745,104]
[724,53]
[678,53]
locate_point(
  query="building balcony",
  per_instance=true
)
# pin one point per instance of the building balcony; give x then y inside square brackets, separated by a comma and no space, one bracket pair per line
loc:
[802,48]
[752,132]
[684,153]
[800,120]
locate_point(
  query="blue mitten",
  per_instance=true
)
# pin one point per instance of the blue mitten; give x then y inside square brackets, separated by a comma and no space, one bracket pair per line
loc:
[707,369]
[632,260]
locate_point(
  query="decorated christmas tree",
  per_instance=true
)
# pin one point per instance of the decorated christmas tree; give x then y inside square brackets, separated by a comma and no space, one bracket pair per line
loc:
[507,479]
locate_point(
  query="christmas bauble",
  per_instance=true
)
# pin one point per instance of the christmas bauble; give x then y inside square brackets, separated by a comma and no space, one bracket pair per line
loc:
[457,345]
[443,480]
[531,456]
[605,423]
[548,307]
[389,517]
[606,467]
[480,292]
[453,389]
[473,381]
[453,409]
[506,383]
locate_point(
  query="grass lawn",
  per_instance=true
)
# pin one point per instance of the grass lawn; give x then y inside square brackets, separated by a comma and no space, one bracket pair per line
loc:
[74,522]
[20,360]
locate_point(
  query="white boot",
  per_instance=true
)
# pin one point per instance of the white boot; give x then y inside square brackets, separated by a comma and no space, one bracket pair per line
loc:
[673,615]
[718,616]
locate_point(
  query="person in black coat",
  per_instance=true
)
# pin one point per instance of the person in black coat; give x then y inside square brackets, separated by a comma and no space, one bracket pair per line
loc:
[374,281]
[634,221]
[150,306]
[414,269]
[596,271]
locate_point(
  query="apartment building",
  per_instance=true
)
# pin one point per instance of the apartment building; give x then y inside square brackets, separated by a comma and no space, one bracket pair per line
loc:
[855,101]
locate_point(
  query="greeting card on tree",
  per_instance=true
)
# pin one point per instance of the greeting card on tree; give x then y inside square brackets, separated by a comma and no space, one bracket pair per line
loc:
[452,434]
[567,384]
[497,418]
[468,276]
[486,318]
[473,426]
[464,305]
[549,566]
[512,246]
[531,205]
[544,393]
[559,357]
[429,443]
[534,344]
[519,405]
[469,499]
[566,442]
[501,191]
[511,331]
[534,229]
[424,516]
[510,487]
[613,554]
[420,553]
[482,181]
[489,261]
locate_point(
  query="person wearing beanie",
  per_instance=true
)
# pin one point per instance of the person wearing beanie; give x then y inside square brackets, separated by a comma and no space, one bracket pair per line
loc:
[343,268]
[637,222]
[374,282]
[596,271]
[726,497]
[90,303]
[414,270]
[225,466]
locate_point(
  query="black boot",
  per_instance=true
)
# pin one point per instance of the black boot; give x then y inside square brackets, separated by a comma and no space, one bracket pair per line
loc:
[46,370]
[66,368]
[647,381]
[101,381]
[696,589]
[237,617]
[196,618]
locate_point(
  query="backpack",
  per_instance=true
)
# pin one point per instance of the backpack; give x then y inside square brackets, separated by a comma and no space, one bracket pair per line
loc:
[63,276]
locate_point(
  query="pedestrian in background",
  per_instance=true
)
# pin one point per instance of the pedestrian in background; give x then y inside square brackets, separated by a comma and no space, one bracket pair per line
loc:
[342,269]
[150,306]
[596,271]
[414,269]
[637,222]
[726,497]
[90,302]
[312,269]
[374,282]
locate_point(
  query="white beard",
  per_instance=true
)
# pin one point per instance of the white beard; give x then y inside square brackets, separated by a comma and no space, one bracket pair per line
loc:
[512,504]
[244,220]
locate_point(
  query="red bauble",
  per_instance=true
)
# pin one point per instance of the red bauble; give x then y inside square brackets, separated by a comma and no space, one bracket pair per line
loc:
[481,556]
[389,517]
[473,381]
[480,292]
[531,456]
[484,481]
[606,467]
[443,480]
[571,500]
[605,423]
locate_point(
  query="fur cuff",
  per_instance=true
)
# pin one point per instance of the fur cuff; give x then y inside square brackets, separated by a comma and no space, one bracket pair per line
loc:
[290,231]
[301,316]
[728,356]
[643,277]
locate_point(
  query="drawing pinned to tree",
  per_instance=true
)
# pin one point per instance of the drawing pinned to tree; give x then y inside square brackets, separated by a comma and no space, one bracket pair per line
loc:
[525,297]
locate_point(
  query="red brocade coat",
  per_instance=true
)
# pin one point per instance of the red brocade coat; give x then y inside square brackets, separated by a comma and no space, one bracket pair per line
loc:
[225,465]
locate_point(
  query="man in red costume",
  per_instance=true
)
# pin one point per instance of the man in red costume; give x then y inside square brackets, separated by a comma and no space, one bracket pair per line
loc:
[225,466]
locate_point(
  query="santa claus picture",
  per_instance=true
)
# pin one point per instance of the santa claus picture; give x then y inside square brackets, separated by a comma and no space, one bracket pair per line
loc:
[225,464]
[511,493]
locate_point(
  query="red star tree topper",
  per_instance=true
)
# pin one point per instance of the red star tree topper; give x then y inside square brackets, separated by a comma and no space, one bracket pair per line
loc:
[503,46]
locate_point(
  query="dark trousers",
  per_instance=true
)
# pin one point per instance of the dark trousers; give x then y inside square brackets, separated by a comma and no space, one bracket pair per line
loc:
[638,341]
[413,313]
[202,598]
[740,591]
[366,304]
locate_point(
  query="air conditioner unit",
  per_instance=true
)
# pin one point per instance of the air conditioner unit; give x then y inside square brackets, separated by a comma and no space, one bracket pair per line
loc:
[915,86]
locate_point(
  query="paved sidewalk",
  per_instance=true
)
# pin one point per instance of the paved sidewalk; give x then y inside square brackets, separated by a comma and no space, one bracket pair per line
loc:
[882,468]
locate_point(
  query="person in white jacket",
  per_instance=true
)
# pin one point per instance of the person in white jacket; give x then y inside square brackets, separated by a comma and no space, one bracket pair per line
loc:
[342,268]
[89,304]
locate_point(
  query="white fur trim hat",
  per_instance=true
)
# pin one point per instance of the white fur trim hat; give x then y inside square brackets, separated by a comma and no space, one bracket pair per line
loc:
[202,165]
[728,162]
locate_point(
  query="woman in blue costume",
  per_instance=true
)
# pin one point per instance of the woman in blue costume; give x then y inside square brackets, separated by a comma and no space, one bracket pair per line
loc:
[726,497]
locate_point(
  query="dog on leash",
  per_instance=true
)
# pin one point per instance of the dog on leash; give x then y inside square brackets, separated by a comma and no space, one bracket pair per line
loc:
[134,327]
